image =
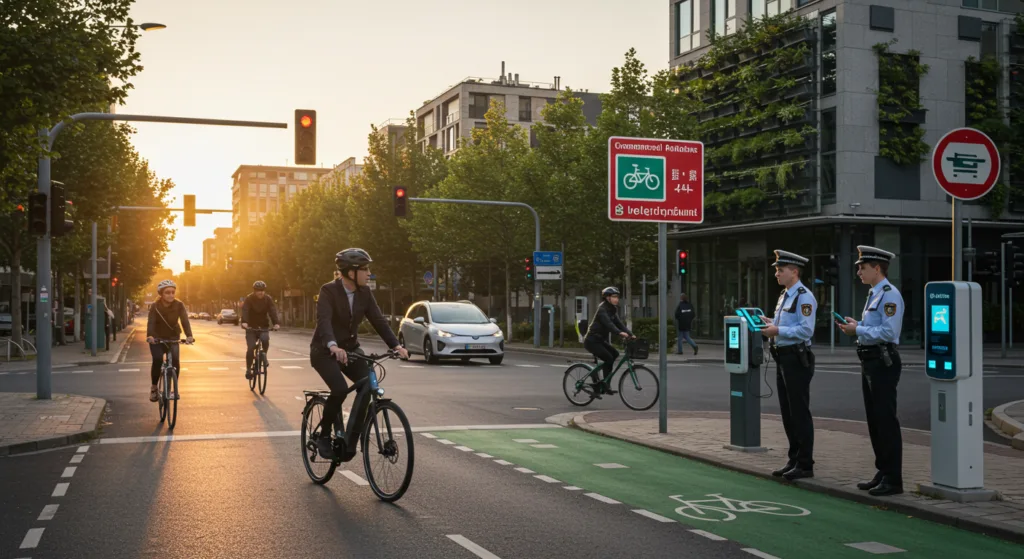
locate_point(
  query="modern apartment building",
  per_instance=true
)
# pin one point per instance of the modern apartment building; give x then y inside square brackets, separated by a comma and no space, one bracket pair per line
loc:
[343,173]
[452,116]
[215,249]
[851,187]
[258,190]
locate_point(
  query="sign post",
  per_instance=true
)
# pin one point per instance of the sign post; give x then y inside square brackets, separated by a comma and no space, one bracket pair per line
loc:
[966,165]
[548,265]
[659,181]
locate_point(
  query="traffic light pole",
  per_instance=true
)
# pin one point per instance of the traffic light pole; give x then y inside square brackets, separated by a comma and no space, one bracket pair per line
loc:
[44,333]
[1002,297]
[536,223]
[94,318]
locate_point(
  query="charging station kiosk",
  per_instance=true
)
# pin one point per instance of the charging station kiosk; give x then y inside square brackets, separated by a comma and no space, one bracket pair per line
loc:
[744,354]
[582,314]
[953,363]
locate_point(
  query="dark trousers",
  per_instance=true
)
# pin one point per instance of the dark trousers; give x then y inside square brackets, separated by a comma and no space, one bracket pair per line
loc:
[878,383]
[604,352]
[334,374]
[250,343]
[157,351]
[794,386]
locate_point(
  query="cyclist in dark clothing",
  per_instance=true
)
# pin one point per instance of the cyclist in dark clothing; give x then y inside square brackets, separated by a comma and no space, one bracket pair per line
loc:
[258,311]
[164,315]
[606,321]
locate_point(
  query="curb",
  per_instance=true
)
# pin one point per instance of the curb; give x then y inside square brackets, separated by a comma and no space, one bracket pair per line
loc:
[122,349]
[1009,426]
[980,526]
[94,418]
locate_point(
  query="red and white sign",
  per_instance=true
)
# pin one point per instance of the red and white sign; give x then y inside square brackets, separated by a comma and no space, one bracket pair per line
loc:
[660,181]
[966,163]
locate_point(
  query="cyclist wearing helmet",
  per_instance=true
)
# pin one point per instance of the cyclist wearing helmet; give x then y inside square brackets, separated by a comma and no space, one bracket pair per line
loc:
[164,315]
[340,308]
[606,321]
[258,311]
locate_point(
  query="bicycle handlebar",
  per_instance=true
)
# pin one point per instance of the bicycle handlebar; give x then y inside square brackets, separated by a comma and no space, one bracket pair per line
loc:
[161,341]
[374,357]
[258,329]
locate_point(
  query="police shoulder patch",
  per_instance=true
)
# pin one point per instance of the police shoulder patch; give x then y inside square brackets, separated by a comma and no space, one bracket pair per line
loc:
[801,290]
[806,309]
[887,288]
[890,309]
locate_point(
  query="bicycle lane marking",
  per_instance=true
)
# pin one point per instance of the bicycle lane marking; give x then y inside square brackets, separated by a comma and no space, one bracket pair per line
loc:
[767,515]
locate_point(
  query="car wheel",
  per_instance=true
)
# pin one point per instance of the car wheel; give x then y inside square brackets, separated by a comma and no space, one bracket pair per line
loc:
[401,342]
[428,352]
[496,360]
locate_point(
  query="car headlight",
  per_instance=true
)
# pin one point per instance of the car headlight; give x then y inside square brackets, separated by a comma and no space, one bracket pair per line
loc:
[443,334]
[497,334]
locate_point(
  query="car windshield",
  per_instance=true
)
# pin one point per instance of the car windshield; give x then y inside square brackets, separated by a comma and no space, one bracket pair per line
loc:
[226,311]
[454,313]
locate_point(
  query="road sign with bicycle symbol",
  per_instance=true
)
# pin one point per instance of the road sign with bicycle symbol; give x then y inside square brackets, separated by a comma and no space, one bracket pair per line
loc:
[640,177]
[724,509]
[655,180]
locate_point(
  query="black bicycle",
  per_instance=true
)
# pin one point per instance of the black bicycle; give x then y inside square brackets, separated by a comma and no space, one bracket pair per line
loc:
[258,371]
[167,385]
[381,445]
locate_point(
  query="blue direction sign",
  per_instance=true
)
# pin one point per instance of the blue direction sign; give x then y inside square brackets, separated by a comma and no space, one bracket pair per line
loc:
[428,278]
[547,258]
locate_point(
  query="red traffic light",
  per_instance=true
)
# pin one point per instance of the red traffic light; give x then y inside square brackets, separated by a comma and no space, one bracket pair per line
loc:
[306,121]
[400,193]
[682,255]
[21,208]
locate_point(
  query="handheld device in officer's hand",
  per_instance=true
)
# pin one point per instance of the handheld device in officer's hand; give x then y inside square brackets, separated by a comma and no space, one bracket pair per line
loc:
[840,318]
[754,318]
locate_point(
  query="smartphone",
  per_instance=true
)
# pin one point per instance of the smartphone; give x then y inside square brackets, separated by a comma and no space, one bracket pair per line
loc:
[839,317]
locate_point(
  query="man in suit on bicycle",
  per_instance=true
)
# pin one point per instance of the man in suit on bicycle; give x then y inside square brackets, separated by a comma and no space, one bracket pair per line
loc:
[258,311]
[341,307]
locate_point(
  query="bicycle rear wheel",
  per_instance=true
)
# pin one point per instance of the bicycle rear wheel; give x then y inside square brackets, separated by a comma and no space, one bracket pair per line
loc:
[161,399]
[319,469]
[574,384]
[642,394]
[172,400]
[388,452]
[262,377]
[253,369]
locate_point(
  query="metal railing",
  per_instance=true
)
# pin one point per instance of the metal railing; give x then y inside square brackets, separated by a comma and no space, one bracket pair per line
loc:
[24,349]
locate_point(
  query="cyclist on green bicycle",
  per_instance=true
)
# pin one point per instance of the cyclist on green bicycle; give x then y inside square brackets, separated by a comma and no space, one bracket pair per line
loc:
[340,308]
[164,315]
[606,321]
[258,311]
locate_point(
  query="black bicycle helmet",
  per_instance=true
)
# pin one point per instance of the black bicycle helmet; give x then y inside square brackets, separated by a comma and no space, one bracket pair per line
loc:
[609,291]
[351,258]
[259,286]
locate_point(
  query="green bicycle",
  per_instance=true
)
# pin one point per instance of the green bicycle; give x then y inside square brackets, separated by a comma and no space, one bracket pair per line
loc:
[640,393]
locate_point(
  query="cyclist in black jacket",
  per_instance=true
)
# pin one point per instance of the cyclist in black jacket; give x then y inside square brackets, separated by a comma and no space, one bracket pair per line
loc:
[258,311]
[606,321]
[164,315]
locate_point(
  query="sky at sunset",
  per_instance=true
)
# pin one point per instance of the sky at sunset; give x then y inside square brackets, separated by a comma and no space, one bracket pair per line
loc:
[356,64]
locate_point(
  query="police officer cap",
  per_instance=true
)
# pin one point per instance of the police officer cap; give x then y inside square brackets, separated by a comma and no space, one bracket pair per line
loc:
[786,258]
[872,254]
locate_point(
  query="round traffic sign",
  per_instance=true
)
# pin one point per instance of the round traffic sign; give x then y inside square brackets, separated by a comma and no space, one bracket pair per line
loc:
[965,163]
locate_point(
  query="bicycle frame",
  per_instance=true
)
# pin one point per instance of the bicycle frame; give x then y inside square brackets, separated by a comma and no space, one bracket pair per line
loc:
[361,407]
[625,359]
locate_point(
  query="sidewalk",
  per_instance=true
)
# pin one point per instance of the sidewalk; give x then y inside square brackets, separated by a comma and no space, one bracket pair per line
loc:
[28,424]
[715,353]
[75,353]
[1009,418]
[843,458]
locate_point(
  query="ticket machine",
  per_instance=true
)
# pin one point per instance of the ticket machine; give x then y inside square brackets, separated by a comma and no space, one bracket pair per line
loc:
[582,314]
[744,354]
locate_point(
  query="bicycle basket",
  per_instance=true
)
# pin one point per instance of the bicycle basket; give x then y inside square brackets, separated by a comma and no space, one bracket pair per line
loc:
[638,349]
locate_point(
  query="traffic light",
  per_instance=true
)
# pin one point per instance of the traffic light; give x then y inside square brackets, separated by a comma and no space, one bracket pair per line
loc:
[59,224]
[113,281]
[401,201]
[305,137]
[116,267]
[987,264]
[190,210]
[229,262]
[832,272]
[682,262]
[528,268]
[188,265]
[1014,265]
[37,213]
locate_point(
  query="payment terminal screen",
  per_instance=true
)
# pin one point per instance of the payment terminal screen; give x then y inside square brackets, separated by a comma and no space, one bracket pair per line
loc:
[940,319]
[734,337]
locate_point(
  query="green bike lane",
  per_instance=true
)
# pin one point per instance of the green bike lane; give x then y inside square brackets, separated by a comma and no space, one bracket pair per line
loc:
[650,479]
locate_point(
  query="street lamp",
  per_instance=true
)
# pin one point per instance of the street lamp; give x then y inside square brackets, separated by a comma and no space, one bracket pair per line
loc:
[144,26]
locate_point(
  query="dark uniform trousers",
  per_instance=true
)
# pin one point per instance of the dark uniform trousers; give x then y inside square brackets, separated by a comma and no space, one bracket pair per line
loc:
[793,379]
[878,383]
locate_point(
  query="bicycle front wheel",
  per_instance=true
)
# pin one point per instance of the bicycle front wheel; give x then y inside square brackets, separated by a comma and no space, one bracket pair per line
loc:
[642,393]
[262,377]
[575,384]
[319,469]
[253,369]
[388,452]
[161,398]
[172,399]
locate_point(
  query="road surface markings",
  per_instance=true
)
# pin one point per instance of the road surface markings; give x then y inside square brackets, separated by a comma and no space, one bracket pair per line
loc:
[354,477]
[757,553]
[445,441]
[503,462]
[572,488]
[81,372]
[48,512]
[410,366]
[611,466]
[876,548]
[450,367]
[547,479]
[1,374]
[60,490]
[429,435]
[708,535]
[652,515]
[484,455]
[464,448]
[602,498]
[472,547]
[291,352]
[32,538]
[299,398]
[127,370]
[525,441]
[525,366]
[83,448]
[525,470]
[291,367]
[76,459]
[69,471]
[834,372]
[557,366]
[544,446]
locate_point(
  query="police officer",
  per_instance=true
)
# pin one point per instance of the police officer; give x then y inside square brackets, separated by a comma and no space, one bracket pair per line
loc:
[792,329]
[878,335]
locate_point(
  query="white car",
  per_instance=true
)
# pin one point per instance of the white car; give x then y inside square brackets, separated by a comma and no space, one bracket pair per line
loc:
[451,330]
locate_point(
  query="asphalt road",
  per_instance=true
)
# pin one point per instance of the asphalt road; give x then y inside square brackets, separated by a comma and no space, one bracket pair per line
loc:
[240,489]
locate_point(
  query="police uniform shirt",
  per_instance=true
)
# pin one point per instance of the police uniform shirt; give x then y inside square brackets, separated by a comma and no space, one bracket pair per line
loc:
[794,316]
[882,319]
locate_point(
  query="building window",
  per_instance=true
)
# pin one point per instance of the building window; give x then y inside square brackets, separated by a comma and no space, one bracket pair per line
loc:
[300,176]
[252,174]
[291,189]
[828,156]
[525,109]
[687,26]
[828,53]
[261,175]
[983,4]
[762,8]
[477,105]
[263,190]
[273,191]
[253,189]
[263,205]
[989,39]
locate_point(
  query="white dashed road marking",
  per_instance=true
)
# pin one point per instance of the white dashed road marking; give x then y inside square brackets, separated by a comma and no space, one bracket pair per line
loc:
[69,471]
[529,366]
[525,470]
[472,547]
[611,466]
[572,488]
[484,455]
[32,538]
[525,441]
[464,448]
[61,490]
[503,462]
[291,367]
[602,498]
[80,372]
[760,554]
[48,512]
[129,370]
[652,515]
[77,458]
[708,535]
[876,548]
[429,435]
[83,448]
[445,441]
[544,446]
[547,479]
[354,477]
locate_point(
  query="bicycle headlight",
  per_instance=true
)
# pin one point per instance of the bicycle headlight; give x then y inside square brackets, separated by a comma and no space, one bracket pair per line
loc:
[380,391]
